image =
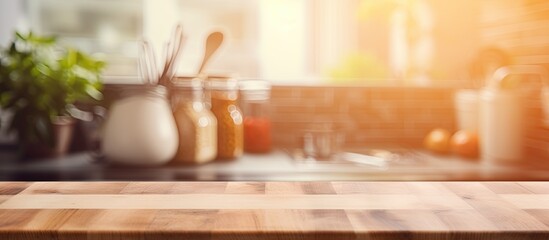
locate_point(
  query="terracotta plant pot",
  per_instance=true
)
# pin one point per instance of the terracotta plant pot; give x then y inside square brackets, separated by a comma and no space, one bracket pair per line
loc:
[63,128]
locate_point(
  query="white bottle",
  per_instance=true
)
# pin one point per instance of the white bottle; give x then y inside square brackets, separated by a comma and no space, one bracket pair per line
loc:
[466,103]
[140,128]
[501,124]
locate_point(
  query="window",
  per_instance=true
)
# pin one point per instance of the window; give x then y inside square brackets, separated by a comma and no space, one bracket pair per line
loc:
[108,28]
[287,41]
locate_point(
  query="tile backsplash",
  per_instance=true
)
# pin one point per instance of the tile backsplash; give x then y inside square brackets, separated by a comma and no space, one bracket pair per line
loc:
[519,28]
[377,116]
[536,142]
[367,115]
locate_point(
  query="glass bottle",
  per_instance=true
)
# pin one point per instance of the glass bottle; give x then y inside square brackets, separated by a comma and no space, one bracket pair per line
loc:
[196,124]
[223,93]
[255,95]
[140,127]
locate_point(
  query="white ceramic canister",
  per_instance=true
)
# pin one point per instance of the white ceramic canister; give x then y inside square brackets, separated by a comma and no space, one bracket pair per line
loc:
[466,103]
[501,114]
[501,126]
[140,128]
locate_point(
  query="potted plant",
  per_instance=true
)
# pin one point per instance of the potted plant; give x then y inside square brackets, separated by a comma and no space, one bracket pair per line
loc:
[39,83]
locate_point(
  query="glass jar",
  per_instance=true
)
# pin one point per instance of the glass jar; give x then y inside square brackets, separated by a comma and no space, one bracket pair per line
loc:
[255,95]
[223,93]
[196,124]
[140,127]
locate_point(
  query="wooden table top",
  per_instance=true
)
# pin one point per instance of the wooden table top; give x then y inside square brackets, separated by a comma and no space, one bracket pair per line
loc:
[274,210]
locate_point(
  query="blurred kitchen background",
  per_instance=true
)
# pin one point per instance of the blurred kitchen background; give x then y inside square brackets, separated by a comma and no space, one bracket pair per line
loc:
[380,72]
[416,42]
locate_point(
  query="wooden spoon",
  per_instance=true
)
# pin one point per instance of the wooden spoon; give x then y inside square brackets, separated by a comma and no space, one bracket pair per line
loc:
[213,42]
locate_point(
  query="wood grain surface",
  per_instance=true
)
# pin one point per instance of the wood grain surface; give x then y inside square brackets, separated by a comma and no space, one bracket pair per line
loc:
[274,210]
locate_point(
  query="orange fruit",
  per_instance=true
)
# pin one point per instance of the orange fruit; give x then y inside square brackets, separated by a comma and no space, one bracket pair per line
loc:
[438,140]
[465,143]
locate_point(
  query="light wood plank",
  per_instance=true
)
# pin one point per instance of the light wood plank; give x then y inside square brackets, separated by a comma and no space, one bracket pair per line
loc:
[106,220]
[395,220]
[503,214]
[245,188]
[536,187]
[506,188]
[30,219]
[371,188]
[148,188]
[16,218]
[12,188]
[3,198]
[187,220]
[428,188]
[526,201]
[541,214]
[274,188]
[275,210]
[231,201]
[199,187]
[465,220]
[75,188]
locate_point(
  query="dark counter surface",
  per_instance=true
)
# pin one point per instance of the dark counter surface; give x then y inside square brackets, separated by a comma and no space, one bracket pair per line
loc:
[406,164]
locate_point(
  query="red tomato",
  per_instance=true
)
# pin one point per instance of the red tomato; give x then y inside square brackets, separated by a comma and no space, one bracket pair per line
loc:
[438,141]
[465,144]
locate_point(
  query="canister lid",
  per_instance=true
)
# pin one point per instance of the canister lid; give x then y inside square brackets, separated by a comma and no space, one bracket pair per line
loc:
[221,82]
[255,89]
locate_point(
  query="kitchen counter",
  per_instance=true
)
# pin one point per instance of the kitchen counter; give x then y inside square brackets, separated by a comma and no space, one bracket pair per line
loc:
[274,210]
[405,165]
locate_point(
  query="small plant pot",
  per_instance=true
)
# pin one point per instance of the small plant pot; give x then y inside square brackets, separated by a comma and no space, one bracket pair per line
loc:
[62,128]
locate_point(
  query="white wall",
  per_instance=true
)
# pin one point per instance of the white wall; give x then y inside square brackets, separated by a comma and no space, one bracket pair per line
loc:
[11,17]
[282,39]
[11,13]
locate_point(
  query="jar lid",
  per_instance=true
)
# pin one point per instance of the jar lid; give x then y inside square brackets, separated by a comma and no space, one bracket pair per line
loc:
[221,82]
[255,89]
[253,84]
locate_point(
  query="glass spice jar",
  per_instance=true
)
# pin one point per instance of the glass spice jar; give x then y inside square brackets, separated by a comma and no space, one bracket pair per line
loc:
[196,124]
[223,93]
[255,95]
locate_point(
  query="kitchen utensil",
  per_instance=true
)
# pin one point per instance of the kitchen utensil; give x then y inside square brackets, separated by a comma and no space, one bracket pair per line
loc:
[151,69]
[153,65]
[364,159]
[175,45]
[147,69]
[143,68]
[322,144]
[214,40]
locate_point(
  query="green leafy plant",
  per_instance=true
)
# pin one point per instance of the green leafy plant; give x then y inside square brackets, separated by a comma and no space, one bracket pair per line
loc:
[359,68]
[40,80]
